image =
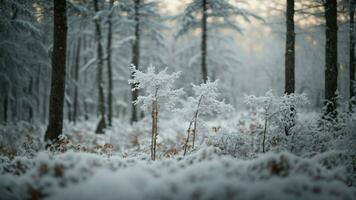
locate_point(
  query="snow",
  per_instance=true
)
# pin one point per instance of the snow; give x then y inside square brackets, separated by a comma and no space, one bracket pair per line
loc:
[205,174]
[313,162]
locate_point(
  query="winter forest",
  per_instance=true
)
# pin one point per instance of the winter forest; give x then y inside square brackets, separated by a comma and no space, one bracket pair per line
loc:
[177,99]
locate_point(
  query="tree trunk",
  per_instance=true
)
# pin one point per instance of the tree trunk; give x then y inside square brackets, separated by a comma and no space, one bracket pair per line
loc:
[352,53]
[102,124]
[76,81]
[56,103]
[5,108]
[204,38]
[38,94]
[135,59]
[154,115]
[108,51]
[290,49]
[331,71]
[290,61]
[68,92]
[30,101]
[85,47]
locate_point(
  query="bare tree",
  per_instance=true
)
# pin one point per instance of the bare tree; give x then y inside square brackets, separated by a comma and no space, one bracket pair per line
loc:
[290,49]
[204,38]
[352,50]
[76,81]
[108,52]
[102,124]
[56,103]
[331,71]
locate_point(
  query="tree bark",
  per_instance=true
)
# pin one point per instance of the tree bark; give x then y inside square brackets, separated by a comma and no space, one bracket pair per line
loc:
[352,52]
[331,71]
[102,124]
[30,101]
[290,49]
[154,115]
[85,47]
[204,39]
[76,81]
[135,59]
[110,82]
[5,106]
[56,103]
[290,60]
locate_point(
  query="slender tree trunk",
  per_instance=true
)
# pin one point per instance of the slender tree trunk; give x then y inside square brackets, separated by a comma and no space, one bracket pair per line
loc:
[290,49]
[85,47]
[204,39]
[108,51]
[44,104]
[264,132]
[30,102]
[135,59]
[102,124]
[352,52]
[331,71]
[38,94]
[154,115]
[76,81]
[56,103]
[68,92]
[5,108]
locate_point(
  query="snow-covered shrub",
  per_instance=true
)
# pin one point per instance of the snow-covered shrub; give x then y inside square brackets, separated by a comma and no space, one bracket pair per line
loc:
[206,173]
[204,102]
[159,95]
[278,113]
[21,138]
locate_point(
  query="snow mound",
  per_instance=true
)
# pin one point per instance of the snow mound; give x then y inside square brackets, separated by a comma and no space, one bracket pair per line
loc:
[204,174]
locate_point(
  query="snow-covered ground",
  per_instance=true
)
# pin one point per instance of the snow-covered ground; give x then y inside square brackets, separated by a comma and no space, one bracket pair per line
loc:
[226,163]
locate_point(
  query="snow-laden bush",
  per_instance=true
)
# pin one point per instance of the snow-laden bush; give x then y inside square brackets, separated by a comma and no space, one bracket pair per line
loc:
[205,102]
[204,174]
[20,138]
[278,113]
[159,95]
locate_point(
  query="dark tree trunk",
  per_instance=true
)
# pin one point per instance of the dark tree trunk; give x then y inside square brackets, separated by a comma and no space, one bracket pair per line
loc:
[5,108]
[85,47]
[56,103]
[108,51]
[102,124]
[44,104]
[38,94]
[135,59]
[290,50]
[352,52]
[204,39]
[331,57]
[76,81]
[30,102]
[68,92]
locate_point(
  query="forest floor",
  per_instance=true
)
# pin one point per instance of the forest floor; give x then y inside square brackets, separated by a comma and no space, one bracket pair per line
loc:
[226,163]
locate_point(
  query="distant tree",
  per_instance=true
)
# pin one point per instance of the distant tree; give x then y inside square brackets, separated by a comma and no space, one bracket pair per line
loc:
[214,9]
[108,60]
[351,5]
[24,60]
[102,124]
[76,80]
[290,49]
[146,34]
[331,72]
[56,103]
